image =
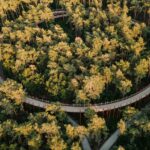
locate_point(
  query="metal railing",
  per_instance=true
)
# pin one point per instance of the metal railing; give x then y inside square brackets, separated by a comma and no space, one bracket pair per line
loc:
[100,104]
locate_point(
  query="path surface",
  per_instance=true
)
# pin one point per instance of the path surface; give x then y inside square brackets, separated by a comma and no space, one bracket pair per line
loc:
[97,107]
[111,140]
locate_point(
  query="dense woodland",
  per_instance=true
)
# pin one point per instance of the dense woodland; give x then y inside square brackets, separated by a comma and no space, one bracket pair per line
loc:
[26,128]
[23,129]
[99,51]
[108,47]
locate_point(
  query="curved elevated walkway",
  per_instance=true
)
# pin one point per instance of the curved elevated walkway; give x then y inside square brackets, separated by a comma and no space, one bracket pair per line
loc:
[74,108]
[97,107]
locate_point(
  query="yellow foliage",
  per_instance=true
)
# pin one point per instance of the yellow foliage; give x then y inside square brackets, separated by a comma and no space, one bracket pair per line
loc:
[24,129]
[122,126]
[13,91]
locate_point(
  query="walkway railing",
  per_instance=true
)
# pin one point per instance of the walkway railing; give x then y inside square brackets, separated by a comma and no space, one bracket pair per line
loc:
[80,108]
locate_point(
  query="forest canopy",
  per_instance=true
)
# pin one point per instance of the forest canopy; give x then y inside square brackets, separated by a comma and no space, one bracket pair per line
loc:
[137,135]
[109,49]
[26,128]
[57,54]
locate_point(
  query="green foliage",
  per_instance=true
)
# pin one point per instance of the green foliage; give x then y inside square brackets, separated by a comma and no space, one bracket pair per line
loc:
[135,136]
[89,113]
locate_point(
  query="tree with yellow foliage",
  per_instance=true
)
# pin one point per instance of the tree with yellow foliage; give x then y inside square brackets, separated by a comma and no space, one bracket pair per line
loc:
[122,126]
[136,134]
[97,130]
